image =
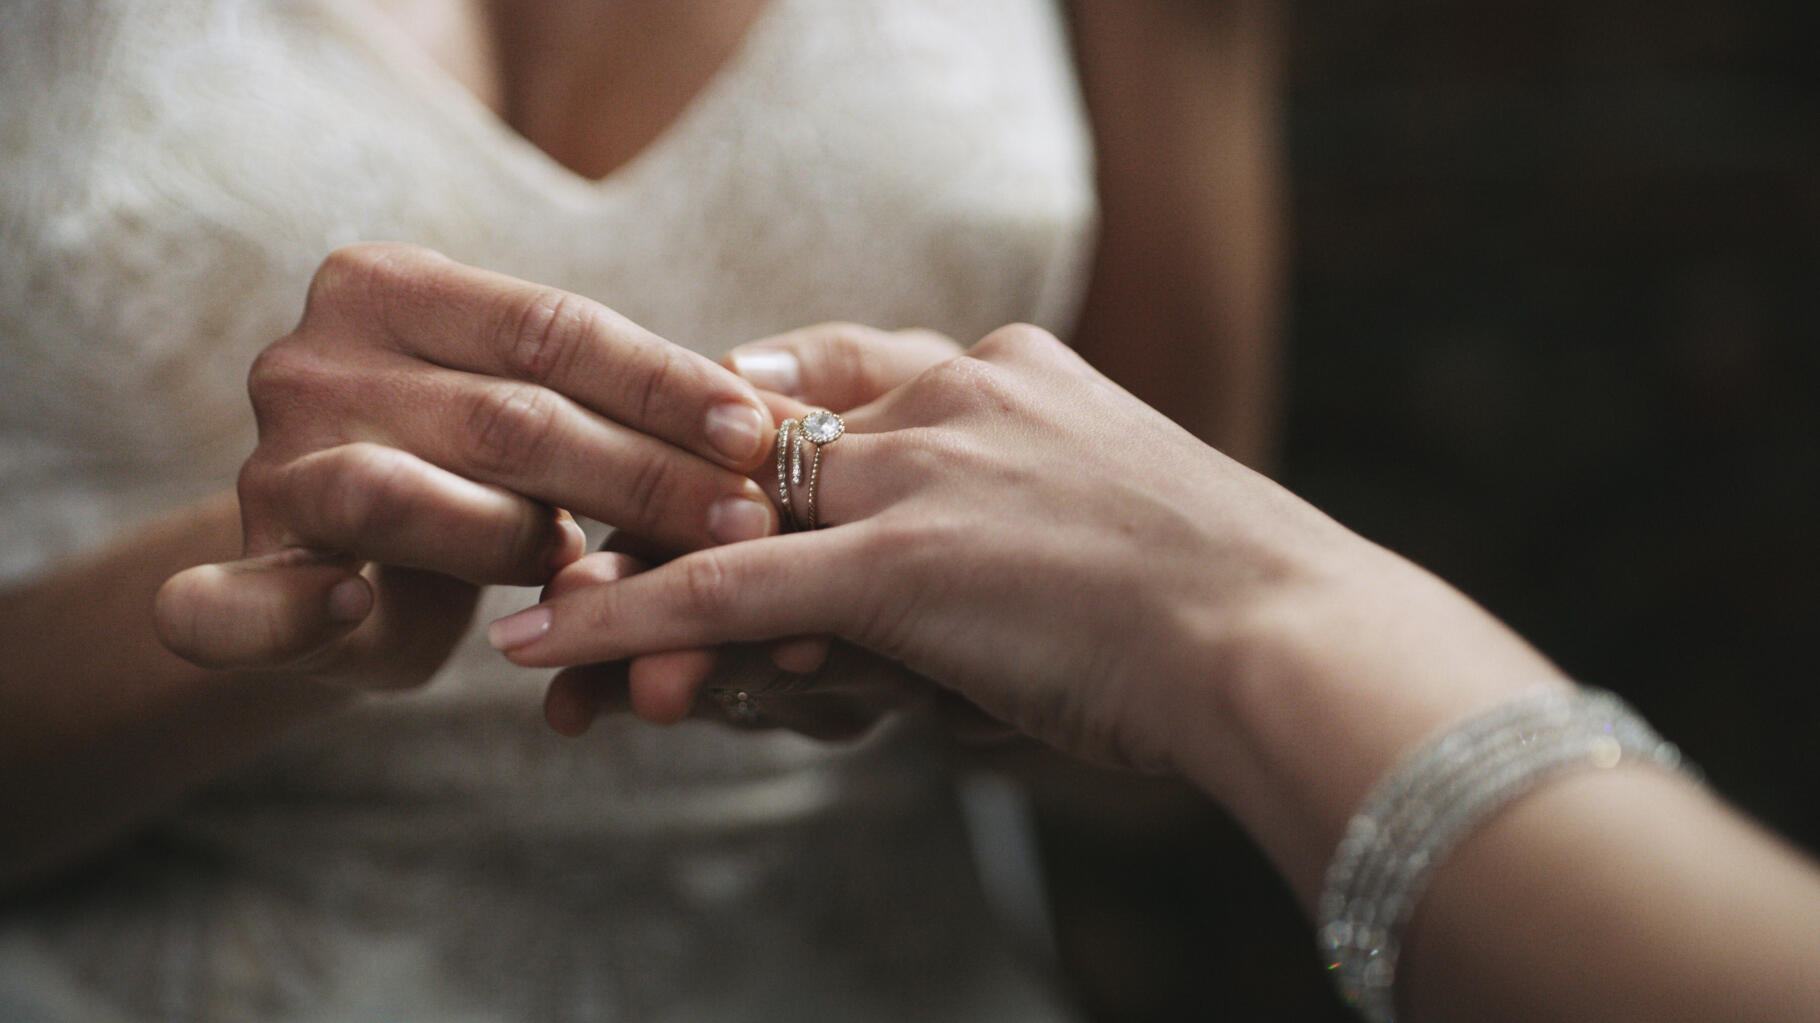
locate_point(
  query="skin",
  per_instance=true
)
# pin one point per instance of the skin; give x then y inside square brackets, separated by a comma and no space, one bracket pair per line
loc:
[347,560]
[1182,99]
[1184,301]
[1015,529]
[416,432]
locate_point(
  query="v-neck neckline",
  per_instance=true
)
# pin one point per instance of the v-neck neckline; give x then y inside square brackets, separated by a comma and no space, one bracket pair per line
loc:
[457,105]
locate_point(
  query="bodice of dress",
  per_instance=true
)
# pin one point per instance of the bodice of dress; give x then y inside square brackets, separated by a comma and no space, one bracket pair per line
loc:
[170,176]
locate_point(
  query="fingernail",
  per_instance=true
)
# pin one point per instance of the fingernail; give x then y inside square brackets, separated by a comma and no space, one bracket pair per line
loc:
[349,601]
[521,629]
[736,430]
[733,519]
[771,369]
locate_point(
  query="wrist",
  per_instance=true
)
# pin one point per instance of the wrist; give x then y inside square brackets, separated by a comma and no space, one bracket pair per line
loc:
[1321,683]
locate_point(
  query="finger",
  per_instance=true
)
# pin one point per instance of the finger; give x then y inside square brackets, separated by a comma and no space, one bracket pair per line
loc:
[523,437]
[577,696]
[663,686]
[744,592]
[839,365]
[532,440]
[640,548]
[855,477]
[381,504]
[801,655]
[664,692]
[592,570]
[465,318]
[668,680]
[261,612]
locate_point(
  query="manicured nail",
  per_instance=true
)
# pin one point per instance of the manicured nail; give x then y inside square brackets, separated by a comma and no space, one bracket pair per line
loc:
[771,369]
[736,430]
[349,601]
[733,519]
[522,629]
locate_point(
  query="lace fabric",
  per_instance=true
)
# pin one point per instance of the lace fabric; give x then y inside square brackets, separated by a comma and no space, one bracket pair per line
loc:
[170,176]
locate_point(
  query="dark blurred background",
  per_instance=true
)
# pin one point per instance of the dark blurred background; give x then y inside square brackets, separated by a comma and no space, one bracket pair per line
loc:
[1556,271]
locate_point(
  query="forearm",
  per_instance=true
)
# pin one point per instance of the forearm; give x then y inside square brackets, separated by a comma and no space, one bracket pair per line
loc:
[1325,681]
[99,723]
[1620,895]
[1625,895]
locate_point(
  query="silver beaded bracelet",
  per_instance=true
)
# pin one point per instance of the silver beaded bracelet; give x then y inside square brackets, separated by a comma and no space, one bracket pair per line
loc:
[1436,794]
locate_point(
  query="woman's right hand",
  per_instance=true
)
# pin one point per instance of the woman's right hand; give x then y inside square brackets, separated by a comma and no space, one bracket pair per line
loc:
[419,431]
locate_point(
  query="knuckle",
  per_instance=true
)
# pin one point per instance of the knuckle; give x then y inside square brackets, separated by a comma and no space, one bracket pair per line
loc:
[364,495]
[546,333]
[988,383]
[1013,341]
[958,385]
[654,388]
[281,376]
[707,582]
[354,274]
[511,426]
[847,358]
[256,486]
[647,485]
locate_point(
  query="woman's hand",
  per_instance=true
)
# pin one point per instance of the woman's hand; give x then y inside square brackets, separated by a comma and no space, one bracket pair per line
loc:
[1010,524]
[418,433]
[812,684]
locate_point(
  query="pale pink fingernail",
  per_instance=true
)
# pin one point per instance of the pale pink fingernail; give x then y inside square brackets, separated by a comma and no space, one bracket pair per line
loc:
[349,601]
[736,430]
[733,519]
[771,369]
[522,629]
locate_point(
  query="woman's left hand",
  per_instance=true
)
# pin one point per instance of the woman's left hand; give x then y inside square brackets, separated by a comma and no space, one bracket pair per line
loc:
[814,685]
[1009,524]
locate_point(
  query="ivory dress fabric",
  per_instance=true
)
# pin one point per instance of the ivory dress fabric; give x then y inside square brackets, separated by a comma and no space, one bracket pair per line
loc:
[171,173]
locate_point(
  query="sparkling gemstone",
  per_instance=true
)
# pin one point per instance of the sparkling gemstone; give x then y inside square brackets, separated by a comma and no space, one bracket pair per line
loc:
[823,427]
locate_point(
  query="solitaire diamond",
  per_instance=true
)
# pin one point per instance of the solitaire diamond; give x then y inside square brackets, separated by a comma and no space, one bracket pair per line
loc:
[823,427]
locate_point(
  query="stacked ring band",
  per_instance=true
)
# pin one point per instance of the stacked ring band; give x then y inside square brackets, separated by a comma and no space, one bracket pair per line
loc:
[819,428]
[784,432]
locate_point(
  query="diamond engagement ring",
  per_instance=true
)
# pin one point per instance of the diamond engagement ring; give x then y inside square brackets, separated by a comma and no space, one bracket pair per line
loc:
[820,428]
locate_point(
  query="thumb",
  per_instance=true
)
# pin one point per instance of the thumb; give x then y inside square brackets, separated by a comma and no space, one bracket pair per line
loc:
[839,366]
[261,612]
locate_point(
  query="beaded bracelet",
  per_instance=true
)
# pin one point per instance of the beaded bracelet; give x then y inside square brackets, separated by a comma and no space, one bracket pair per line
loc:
[1438,792]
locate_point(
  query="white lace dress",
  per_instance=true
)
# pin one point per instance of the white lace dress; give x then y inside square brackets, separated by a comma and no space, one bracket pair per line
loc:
[170,175]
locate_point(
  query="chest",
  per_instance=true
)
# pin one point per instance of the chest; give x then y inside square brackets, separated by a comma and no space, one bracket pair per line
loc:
[588,82]
[894,162]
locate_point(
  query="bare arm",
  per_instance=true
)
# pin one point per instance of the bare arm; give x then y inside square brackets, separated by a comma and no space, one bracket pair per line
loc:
[1628,895]
[417,432]
[1014,527]
[1183,304]
[99,723]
